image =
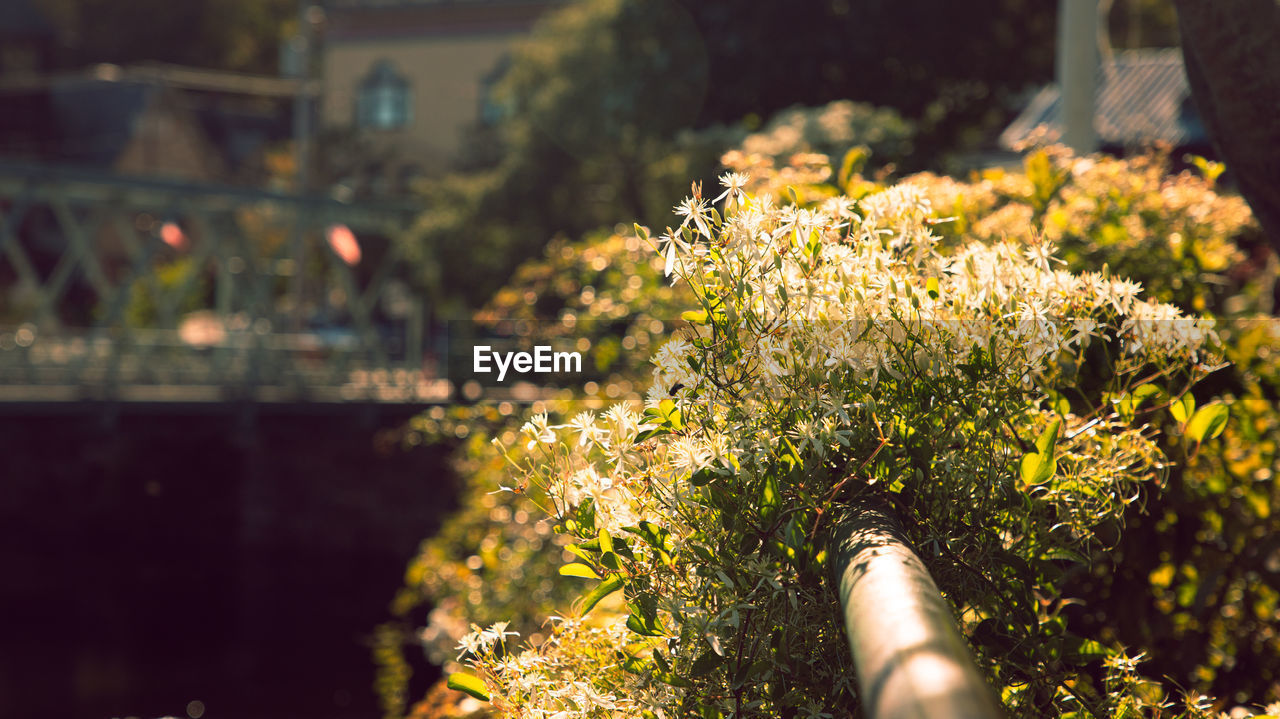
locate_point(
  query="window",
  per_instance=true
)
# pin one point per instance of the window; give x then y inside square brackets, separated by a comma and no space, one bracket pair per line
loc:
[383,99]
[492,111]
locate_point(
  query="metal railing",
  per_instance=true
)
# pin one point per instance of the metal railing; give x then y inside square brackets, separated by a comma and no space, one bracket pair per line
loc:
[911,660]
[113,286]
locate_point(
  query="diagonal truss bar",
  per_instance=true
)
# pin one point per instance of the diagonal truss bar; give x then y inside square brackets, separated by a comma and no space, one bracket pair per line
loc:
[21,262]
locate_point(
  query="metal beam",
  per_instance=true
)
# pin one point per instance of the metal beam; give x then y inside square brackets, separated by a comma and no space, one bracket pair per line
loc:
[36,183]
[911,660]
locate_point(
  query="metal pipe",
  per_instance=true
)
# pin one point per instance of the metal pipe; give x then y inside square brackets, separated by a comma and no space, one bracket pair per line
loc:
[911,660]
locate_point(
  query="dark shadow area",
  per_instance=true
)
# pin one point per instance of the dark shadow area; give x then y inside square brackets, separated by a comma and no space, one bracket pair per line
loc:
[233,560]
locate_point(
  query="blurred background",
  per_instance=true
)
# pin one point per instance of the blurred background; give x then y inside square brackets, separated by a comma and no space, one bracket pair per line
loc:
[232,233]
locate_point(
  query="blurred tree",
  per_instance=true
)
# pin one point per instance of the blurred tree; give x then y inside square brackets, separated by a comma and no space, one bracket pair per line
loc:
[612,106]
[1233,66]
[955,67]
[241,35]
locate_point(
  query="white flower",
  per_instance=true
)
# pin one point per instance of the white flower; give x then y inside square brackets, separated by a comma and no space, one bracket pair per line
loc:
[694,209]
[733,182]
[673,244]
[584,423]
[538,430]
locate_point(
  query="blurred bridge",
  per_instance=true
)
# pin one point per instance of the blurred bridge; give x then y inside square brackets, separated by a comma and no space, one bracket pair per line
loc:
[139,290]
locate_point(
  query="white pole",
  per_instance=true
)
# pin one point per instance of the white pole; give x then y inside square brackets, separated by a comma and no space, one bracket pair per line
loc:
[1077,70]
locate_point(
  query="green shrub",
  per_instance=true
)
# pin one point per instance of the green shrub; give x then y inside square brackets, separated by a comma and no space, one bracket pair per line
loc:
[1187,587]
[838,354]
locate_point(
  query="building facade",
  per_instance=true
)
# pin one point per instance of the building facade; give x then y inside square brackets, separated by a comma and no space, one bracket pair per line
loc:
[407,78]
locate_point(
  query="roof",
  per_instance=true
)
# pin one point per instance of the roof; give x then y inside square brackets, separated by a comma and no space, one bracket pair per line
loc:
[1142,97]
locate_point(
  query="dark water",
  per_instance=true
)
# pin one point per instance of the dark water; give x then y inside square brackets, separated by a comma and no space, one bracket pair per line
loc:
[176,564]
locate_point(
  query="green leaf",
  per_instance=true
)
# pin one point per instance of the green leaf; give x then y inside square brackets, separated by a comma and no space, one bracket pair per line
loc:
[587,513]
[705,664]
[792,452]
[610,585]
[606,541]
[1039,467]
[469,684]
[644,626]
[1049,437]
[1182,407]
[1208,422]
[579,550]
[697,317]
[650,433]
[1082,651]
[703,553]
[655,536]
[1058,402]
[578,570]
[702,477]
[769,498]
[1125,406]
[669,414]
[852,164]
[1144,391]
[673,680]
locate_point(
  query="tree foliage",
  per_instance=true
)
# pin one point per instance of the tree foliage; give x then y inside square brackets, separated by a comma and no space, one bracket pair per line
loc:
[613,106]
[241,35]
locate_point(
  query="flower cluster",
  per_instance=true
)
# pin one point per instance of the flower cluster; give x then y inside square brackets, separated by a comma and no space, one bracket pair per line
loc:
[835,351]
[1173,232]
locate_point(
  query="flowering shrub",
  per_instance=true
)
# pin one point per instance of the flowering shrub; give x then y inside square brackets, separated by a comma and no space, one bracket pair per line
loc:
[495,558]
[1172,232]
[833,130]
[836,352]
[1192,580]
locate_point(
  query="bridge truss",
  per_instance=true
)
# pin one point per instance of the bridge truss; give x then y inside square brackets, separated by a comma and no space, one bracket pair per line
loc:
[146,290]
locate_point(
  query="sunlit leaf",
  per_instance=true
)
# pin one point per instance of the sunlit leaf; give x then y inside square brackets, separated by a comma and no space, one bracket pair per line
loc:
[469,684]
[1208,422]
[610,585]
[1082,651]
[644,626]
[1037,468]
[1182,407]
[696,317]
[578,570]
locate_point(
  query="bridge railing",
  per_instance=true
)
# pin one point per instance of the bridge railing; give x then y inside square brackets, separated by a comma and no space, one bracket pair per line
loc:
[112,285]
[911,660]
